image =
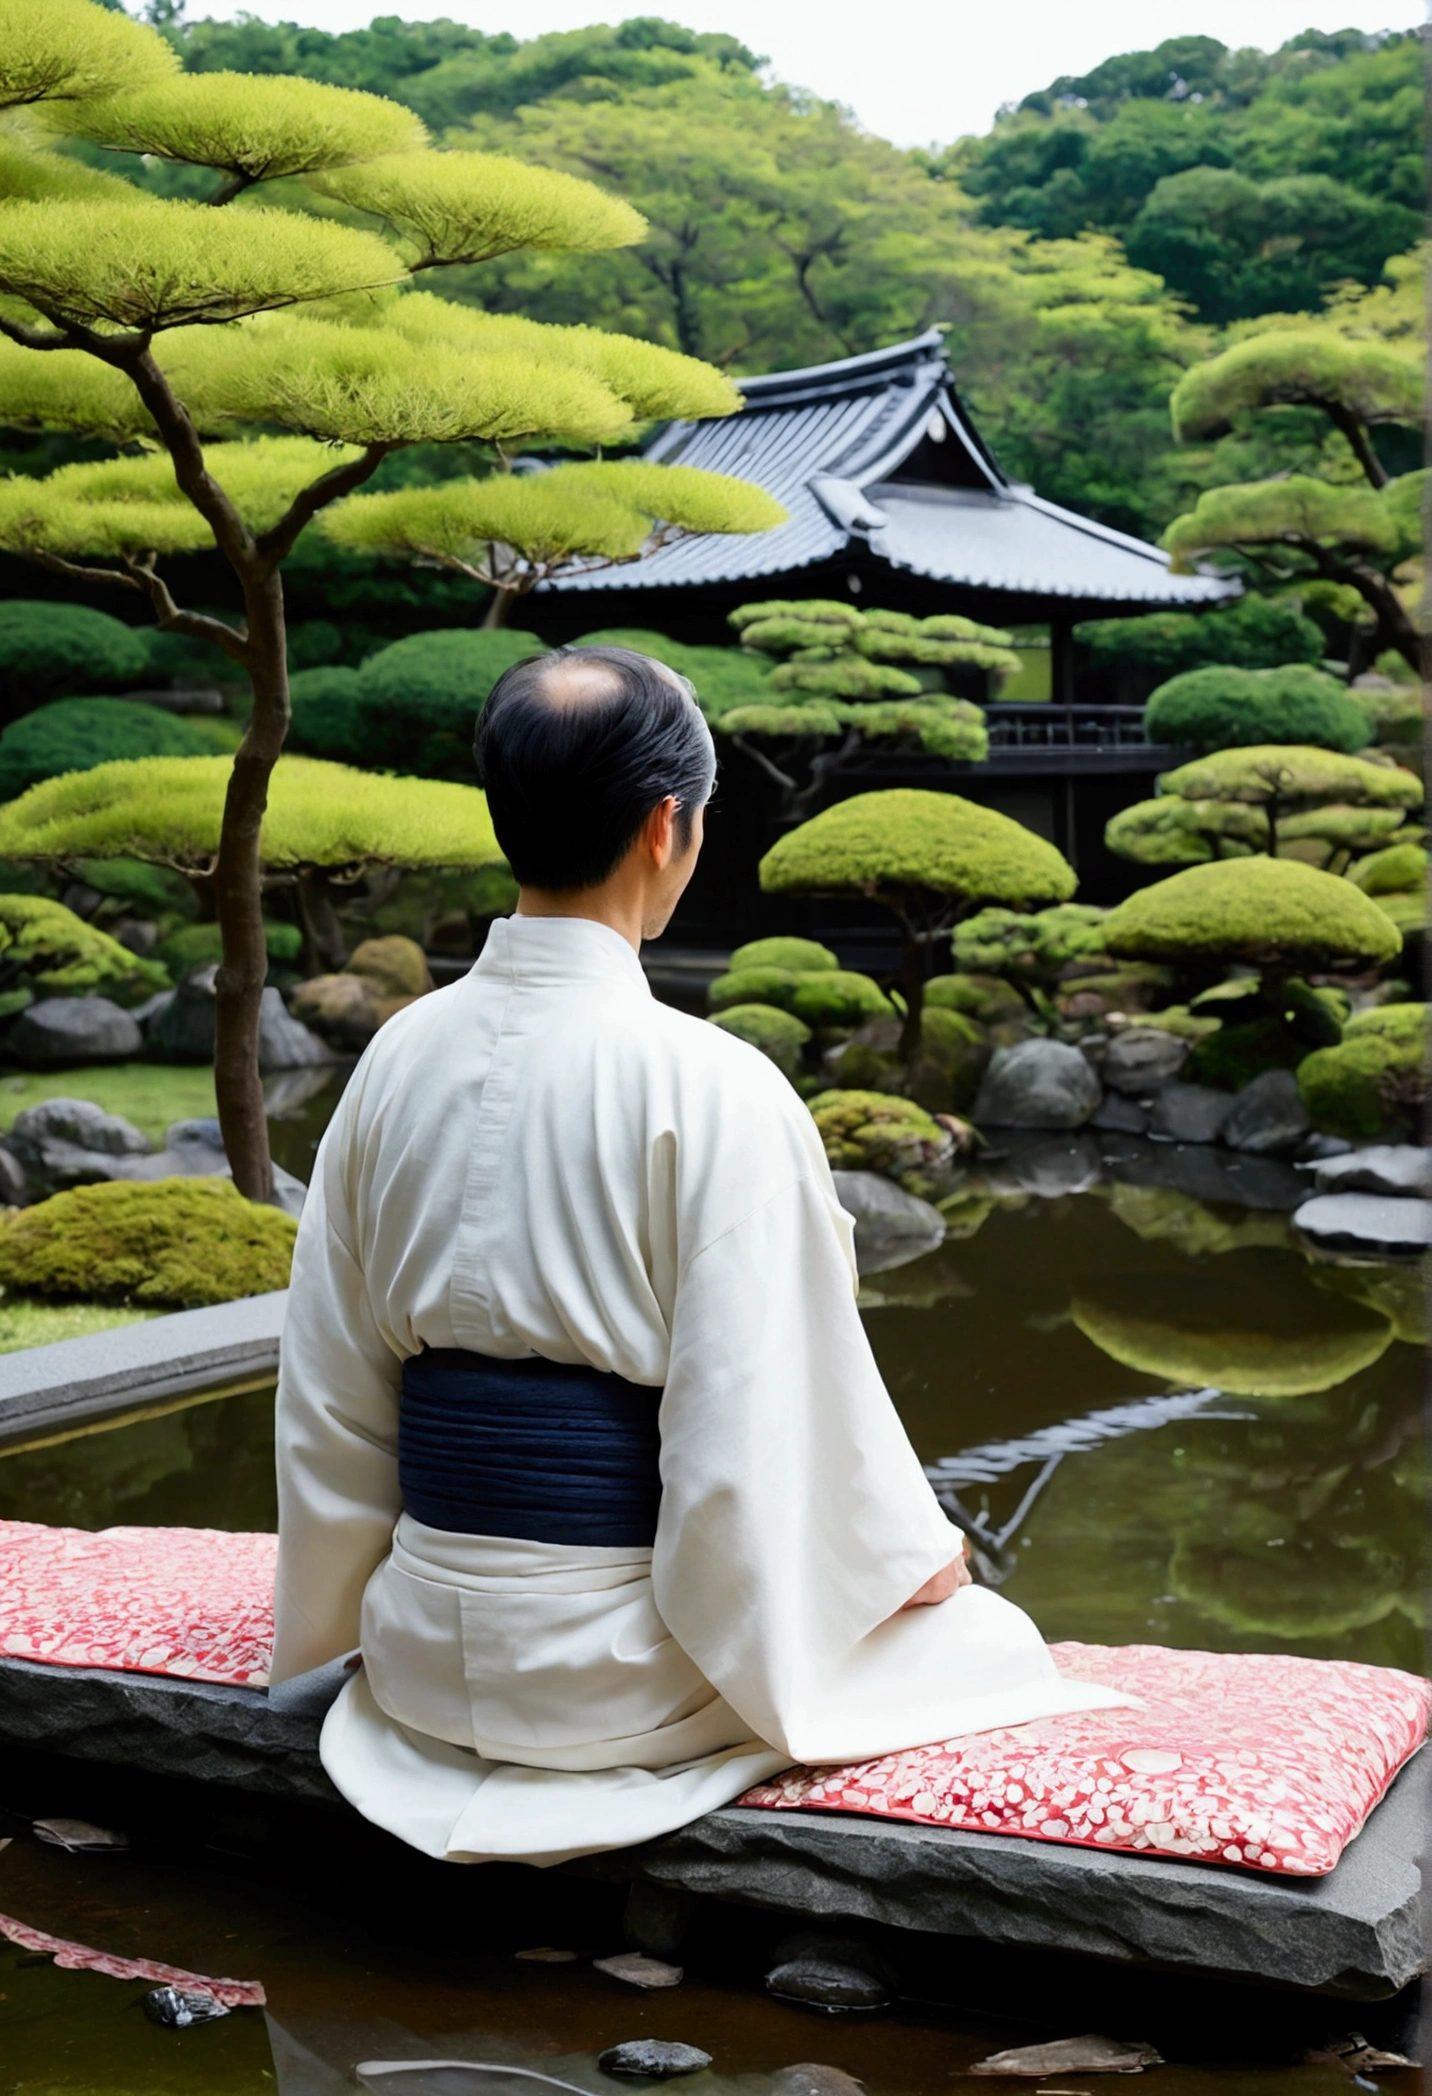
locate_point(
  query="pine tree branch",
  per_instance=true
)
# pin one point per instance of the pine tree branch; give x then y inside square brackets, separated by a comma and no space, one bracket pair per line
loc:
[280,540]
[77,571]
[194,625]
[32,338]
[1359,443]
[181,440]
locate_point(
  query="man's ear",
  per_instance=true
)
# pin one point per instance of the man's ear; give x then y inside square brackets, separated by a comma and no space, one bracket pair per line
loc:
[660,833]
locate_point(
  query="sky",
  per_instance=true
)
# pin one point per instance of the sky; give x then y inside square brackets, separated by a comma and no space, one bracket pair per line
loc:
[915,71]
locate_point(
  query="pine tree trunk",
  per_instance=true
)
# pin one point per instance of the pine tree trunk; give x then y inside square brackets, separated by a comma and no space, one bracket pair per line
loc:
[238,882]
[912,989]
[324,948]
[498,611]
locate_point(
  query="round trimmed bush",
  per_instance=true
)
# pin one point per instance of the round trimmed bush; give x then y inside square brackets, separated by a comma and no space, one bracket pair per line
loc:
[172,1243]
[987,999]
[327,713]
[1223,707]
[78,734]
[907,837]
[801,956]
[1256,632]
[1270,912]
[419,699]
[48,651]
[1371,1084]
[775,986]
[838,997]
[777,1034]
[1396,869]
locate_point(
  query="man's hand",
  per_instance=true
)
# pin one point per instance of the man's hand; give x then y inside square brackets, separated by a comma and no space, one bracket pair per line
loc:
[943,1583]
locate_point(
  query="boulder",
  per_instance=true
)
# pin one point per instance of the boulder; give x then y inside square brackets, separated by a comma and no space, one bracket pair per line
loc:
[184,1030]
[1267,1115]
[397,966]
[1388,1168]
[891,1226]
[195,1150]
[1394,1226]
[1038,1084]
[1141,1058]
[342,1009]
[1120,1115]
[64,1032]
[72,1142]
[1188,1113]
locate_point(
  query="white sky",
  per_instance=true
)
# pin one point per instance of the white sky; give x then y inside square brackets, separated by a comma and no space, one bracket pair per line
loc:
[916,71]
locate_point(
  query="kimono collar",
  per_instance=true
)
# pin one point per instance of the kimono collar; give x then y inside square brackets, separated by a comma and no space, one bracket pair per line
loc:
[557,950]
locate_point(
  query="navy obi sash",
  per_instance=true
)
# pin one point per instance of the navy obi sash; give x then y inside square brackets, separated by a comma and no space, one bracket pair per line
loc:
[534,1449]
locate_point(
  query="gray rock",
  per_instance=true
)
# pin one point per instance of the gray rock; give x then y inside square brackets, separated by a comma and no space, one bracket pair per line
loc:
[1388,1168]
[1029,1162]
[14,1186]
[891,1226]
[1189,1113]
[827,1983]
[184,1030]
[1037,1084]
[1313,1148]
[62,1032]
[658,1918]
[147,1016]
[1385,1223]
[195,1150]
[1141,1058]
[72,1142]
[655,2059]
[1267,1115]
[1121,1115]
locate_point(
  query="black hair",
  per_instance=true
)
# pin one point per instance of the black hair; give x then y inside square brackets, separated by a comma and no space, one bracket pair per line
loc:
[571,781]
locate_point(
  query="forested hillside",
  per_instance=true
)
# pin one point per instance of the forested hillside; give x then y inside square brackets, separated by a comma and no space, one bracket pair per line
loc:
[1081,256]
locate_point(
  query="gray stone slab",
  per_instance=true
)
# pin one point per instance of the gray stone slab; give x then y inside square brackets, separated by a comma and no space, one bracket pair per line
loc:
[1386,1168]
[1381,1225]
[1355,1933]
[45,1389]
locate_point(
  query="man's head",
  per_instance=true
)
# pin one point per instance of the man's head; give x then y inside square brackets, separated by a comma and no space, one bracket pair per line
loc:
[597,760]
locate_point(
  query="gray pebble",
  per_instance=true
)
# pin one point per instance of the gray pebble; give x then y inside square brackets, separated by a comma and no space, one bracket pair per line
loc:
[653,2059]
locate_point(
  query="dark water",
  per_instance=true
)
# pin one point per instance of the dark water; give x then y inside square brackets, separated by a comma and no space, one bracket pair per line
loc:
[1280,1511]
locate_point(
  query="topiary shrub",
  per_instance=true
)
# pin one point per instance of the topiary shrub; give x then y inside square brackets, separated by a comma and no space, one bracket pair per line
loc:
[129,885]
[327,714]
[172,1244]
[48,651]
[801,956]
[987,999]
[835,997]
[1256,632]
[779,1035]
[419,699]
[1028,946]
[1223,708]
[1372,1084]
[767,985]
[1398,868]
[1276,914]
[78,734]
[944,1073]
[46,949]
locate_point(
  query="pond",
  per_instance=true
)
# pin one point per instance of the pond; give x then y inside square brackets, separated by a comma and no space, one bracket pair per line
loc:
[1160,1420]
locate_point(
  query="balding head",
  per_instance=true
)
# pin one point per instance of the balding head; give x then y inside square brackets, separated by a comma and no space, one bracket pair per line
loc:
[576,748]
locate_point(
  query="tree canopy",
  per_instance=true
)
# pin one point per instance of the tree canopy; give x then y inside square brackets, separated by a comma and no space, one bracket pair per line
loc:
[1274,914]
[1221,707]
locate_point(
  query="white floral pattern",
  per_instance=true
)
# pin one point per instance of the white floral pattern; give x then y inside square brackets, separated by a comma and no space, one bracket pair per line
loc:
[1249,1759]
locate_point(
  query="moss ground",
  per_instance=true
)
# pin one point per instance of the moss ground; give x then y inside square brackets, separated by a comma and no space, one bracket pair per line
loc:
[25,1322]
[151,1095]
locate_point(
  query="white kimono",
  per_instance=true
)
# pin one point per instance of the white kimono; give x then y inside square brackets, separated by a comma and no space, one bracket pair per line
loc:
[543,1160]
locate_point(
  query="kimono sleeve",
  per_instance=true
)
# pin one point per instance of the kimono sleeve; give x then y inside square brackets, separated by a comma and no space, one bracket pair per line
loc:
[336,1439]
[795,1515]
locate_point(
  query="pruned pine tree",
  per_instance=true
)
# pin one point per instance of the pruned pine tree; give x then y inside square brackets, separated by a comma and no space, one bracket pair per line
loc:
[1359,527]
[186,335]
[849,677]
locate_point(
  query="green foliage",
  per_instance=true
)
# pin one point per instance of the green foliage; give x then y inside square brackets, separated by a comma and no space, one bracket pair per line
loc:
[168,809]
[762,983]
[174,1243]
[1273,1028]
[1029,947]
[1396,868]
[1297,368]
[50,651]
[151,1095]
[47,949]
[76,734]
[1222,707]
[152,891]
[838,997]
[722,678]
[987,999]
[195,946]
[1371,1085]
[1264,774]
[253,130]
[415,704]
[909,841]
[1272,913]
[470,207]
[1395,716]
[942,1073]
[778,1034]
[1296,510]
[799,956]
[1325,805]
[150,265]
[327,713]
[74,49]
[1258,633]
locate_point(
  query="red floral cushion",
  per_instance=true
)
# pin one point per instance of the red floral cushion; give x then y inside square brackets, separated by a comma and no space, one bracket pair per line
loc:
[1239,1758]
[195,1602]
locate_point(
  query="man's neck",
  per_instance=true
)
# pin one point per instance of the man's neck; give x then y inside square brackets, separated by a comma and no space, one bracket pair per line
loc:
[611,904]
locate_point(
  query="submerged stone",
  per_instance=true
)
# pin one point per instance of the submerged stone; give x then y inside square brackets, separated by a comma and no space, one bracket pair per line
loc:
[654,2059]
[828,1983]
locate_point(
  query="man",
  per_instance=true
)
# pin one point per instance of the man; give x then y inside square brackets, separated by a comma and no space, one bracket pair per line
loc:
[580,1440]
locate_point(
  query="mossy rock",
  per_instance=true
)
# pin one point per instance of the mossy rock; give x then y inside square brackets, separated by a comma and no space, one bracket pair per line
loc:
[1267,912]
[838,997]
[987,999]
[878,1132]
[764,985]
[909,838]
[1371,1085]
[397,965]
[52,951]
[779,1035]
[170,1244]
[1270,1335]
[944,1074]
[1098,992]
[800,956]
